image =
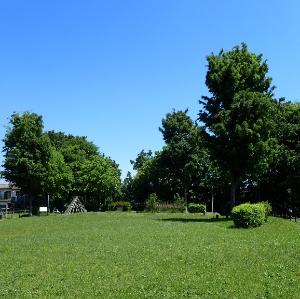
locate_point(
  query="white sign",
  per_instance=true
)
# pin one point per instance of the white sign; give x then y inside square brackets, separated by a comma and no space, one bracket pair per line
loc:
[43,209]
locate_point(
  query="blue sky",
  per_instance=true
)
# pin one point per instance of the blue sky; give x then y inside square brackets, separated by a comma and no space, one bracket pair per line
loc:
[111,70]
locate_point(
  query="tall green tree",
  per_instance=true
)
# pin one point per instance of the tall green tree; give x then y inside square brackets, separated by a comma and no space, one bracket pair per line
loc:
[99,178]
[146,180]
[59,178]
[281,183]
[75,150]
[239,116]
[127,188]
[183,166]
[184,158]
[27,151]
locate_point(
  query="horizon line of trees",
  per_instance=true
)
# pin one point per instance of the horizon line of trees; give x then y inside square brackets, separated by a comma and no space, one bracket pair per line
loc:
[53,163]
[244,146]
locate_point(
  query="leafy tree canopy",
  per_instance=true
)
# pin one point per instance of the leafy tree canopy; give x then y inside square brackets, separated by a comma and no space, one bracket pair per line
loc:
[100,179]
[140,159]
[59,178]
[239,116]
[74,148]
[27,153]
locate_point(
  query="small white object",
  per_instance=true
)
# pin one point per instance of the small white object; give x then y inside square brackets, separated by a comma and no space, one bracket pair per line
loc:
[43,209]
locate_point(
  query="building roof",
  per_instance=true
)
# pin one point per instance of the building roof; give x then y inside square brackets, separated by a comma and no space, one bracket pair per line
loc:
[8,186]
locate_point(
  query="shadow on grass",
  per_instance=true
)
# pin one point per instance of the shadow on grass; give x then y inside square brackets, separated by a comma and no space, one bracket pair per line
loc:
[206,220]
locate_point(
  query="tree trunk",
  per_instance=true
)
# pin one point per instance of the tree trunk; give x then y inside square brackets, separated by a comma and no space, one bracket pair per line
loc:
[185,198]
[30,205]
[233,186]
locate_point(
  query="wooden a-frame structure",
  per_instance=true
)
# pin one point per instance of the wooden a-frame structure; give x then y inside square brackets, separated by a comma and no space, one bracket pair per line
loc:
[75,206]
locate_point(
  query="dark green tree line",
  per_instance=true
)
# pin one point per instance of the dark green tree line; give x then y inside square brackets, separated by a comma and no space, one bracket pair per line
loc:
[54,163]
[181,168]
[247,141]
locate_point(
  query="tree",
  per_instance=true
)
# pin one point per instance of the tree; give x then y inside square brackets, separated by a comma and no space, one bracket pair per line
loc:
[140,159]
[59,179]
[146,179]
[182,167]
[127,188]
[281,183]
[239,116]
[176,126]
[75,150]
[99,179]
[184,157]
[27,151]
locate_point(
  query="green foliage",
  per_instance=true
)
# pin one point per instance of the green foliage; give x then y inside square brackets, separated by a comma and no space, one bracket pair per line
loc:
[57,164]
[99,178]
[184,157]
[196,208]
[182,166]
[176,126]
[27,151]
[152,202]
[237,70]
[59,178]
[124,205]
[249,215]
[141,158]
[240,115]
[146,181]
[179,203]
[127,191]
[284,173]
[75,149]
[267,207]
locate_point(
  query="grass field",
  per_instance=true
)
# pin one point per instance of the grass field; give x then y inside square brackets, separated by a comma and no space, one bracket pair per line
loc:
[130,255]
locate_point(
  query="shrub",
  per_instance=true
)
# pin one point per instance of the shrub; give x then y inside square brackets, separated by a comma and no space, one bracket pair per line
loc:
[152,203]
[249,215]
[268,208]
[179,203]
[125,205]
[196,208]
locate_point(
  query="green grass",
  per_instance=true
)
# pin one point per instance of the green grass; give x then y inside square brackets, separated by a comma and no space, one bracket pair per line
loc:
[129,255]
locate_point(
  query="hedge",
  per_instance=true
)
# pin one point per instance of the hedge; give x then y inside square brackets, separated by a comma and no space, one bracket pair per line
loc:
[196,208]
[249,215]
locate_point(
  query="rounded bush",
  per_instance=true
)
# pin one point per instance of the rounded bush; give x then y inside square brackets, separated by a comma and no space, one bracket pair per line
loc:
[196,208]
[248,215]
[268,208]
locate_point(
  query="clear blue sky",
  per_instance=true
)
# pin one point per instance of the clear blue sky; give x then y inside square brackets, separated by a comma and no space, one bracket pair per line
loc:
[111,70]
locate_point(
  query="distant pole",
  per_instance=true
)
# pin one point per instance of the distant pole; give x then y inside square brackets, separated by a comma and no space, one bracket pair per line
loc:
[30,205]
[212,200]
[48,205]
[185,199]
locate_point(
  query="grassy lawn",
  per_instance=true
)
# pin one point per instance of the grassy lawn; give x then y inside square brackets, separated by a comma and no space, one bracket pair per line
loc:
[129,255]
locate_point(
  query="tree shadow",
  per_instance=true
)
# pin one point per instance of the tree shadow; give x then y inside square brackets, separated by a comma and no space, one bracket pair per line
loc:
[205,220]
